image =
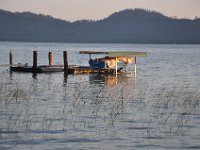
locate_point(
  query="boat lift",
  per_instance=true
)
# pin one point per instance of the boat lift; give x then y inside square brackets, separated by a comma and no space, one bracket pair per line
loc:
[125,57]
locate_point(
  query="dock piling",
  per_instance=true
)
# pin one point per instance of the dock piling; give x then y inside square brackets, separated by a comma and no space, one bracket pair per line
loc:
[116,66]
[34,60]
[65,59]
[10,58]
[50,58]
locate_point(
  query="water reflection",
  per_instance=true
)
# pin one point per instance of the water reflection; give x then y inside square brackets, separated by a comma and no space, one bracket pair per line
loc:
[111,80]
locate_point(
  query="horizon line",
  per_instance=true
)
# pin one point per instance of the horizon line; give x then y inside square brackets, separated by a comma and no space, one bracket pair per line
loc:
[150,10]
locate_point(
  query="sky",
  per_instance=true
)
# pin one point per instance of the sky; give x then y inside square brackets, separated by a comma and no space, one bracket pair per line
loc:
[72,10]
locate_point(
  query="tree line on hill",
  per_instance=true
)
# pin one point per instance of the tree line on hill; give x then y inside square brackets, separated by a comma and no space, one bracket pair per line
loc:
[126,26]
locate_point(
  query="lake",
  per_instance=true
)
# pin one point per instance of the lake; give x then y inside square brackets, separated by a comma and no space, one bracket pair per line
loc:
[159,109]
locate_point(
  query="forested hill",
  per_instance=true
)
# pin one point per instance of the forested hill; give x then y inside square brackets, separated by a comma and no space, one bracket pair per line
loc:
[127,26]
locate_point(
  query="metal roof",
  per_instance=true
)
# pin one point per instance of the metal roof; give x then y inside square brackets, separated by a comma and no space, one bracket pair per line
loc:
[116,53]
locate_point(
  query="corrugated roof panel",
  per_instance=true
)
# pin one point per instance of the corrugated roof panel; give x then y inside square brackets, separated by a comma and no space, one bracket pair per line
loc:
[116,53]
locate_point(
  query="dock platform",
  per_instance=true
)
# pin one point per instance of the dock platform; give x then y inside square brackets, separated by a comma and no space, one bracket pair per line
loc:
[72,69]
[38,69]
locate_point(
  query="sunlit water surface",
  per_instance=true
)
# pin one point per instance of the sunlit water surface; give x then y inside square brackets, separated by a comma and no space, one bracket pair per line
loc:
[159,109]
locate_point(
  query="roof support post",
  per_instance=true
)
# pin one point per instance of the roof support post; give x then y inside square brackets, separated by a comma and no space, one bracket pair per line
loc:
[116,66]
[135,66]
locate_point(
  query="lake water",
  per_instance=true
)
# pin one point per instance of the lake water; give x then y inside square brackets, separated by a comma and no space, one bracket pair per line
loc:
[159,109]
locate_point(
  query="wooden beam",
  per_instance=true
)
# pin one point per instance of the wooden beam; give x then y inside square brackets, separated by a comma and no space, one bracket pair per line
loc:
[116,66]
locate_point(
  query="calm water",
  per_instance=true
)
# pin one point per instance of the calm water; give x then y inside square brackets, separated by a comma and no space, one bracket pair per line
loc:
[160,109]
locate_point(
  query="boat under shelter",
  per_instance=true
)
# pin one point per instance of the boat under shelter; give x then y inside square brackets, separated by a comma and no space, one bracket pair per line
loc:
[116,60]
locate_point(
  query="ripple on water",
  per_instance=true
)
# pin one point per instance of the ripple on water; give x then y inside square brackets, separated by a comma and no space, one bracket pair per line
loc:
[157,110]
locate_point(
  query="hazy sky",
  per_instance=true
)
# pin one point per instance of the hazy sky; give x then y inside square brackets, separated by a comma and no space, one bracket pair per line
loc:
[97,9]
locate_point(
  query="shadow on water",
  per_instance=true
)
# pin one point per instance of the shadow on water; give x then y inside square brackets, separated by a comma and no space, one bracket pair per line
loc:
[110,80]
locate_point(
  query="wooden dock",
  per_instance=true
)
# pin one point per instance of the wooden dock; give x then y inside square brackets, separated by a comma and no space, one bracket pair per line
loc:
[71,69]
[35,68]
[38,69]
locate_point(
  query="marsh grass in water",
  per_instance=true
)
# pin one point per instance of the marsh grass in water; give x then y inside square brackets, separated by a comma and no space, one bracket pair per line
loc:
[157,110]
[81,110]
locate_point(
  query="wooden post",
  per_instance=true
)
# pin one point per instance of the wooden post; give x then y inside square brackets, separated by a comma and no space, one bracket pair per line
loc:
[50,58]
[116,66]
[135,66]
[34,60]
[90,57]
[10,58]
[65,62]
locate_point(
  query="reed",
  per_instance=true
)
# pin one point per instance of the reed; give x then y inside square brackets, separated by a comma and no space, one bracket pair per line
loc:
[40,110]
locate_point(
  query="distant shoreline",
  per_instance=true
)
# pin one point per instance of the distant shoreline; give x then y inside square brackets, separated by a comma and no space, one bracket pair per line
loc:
[100,43]
[131,26]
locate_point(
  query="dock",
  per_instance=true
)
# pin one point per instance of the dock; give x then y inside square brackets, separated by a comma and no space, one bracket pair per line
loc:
[76,69]
[38,69]
[60,68]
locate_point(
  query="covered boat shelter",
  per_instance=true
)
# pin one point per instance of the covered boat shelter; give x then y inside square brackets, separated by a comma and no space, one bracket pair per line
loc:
[117,56]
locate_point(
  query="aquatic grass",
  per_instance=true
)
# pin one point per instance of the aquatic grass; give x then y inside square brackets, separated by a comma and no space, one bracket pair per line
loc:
[85,109]
[172,110]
